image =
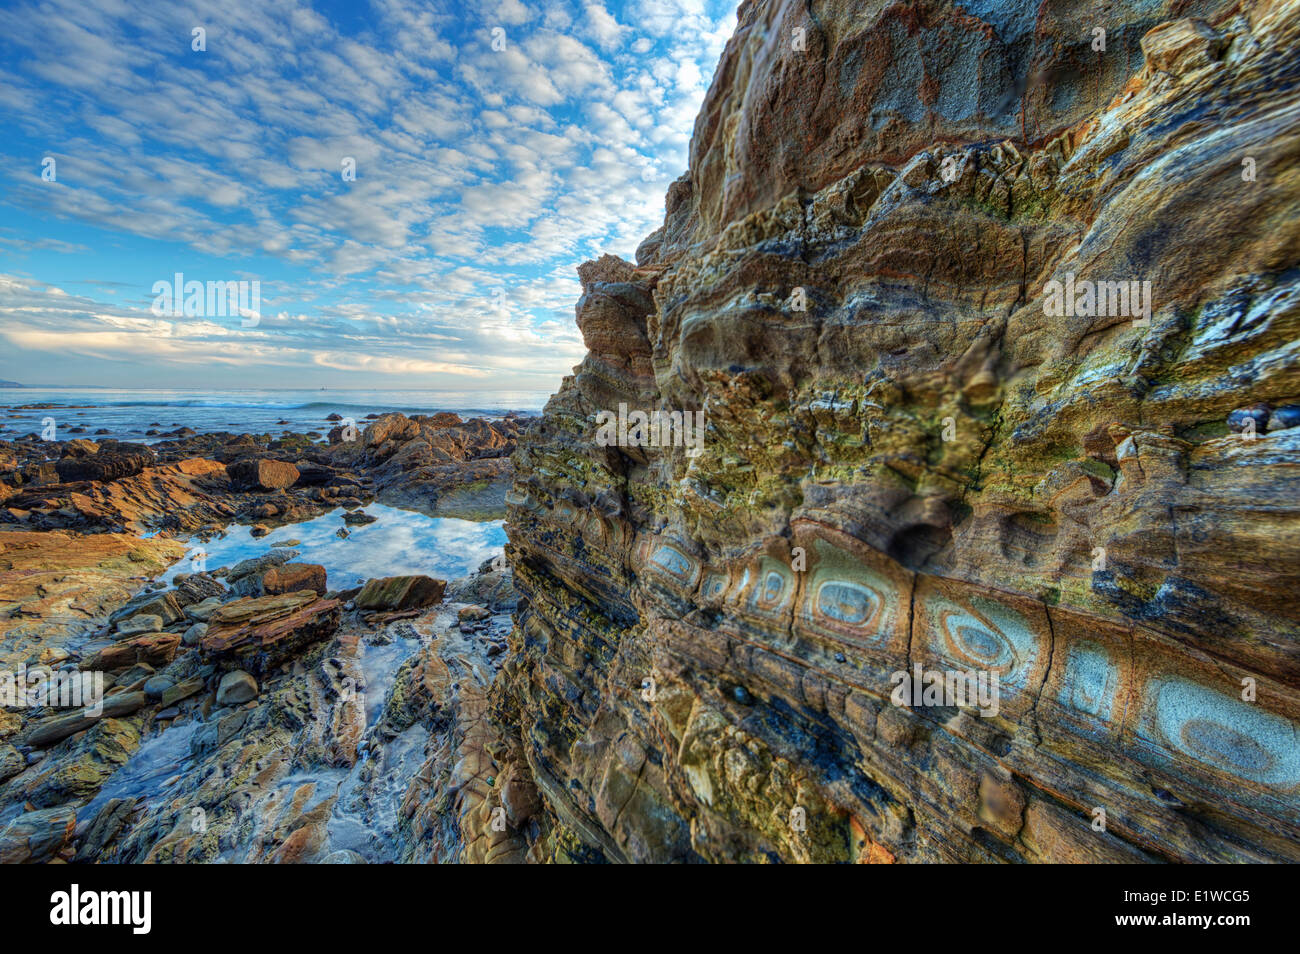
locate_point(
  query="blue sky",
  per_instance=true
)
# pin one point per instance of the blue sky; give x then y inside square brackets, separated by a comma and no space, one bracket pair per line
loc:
[482,178]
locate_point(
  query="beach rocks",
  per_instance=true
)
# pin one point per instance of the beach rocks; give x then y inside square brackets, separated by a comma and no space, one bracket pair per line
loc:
[176,693]
[389,428]
[260,633]
[46,732]
[492,586]
[80,448]
[245,578]
[37,837]
[400,593]
[1284,417]
[156,609]
[78,773]
[237,687]
[196,588]
[262,474]
[139,623]
[295,576]
[154,649]
[437,464]
[11,762]
[202,610]
[103,466]
[156,686]
[104,827]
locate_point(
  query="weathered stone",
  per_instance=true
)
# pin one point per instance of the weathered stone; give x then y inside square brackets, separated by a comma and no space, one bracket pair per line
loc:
[156,687]
[400,593]
[163,606]
[262,474]
[77,774]
[295,576]
[181,690]
[156,649]
[36,837]
[11,762]
[236,687]
[103,466]
[201,611]
[48,731]
[140,623]
[110,820]
[260,633]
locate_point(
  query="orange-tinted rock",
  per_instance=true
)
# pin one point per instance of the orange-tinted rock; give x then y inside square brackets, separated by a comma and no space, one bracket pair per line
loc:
[400,593]
[260,633]
[295,576]
[156,649]
[262,474]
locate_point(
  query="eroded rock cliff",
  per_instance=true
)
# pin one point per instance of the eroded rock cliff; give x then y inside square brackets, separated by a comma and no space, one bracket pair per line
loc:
[912,456]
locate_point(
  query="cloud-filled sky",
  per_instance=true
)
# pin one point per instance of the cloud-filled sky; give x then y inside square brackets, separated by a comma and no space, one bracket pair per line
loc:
[496,144]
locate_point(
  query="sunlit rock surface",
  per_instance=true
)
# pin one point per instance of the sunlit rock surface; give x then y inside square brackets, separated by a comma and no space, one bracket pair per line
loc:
[911,457]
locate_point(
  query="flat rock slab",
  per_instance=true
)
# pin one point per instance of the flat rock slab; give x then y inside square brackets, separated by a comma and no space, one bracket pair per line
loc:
[259,633]
[294,577]
[400,593]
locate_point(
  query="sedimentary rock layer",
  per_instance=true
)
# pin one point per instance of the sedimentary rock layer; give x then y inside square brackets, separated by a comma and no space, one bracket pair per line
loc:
[913,455]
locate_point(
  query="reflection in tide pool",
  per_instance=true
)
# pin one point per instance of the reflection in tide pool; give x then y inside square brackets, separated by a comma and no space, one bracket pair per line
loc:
[399,542]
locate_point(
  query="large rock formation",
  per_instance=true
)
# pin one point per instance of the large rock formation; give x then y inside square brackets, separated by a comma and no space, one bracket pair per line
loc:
[916,453]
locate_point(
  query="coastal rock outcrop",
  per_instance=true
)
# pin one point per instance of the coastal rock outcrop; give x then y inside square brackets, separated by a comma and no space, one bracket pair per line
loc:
[946,326]
[438,464]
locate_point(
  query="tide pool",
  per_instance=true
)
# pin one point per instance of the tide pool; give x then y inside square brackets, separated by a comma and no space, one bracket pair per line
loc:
[398,543]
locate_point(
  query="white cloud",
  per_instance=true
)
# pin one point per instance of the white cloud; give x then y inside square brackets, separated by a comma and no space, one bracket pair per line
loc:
[474,168]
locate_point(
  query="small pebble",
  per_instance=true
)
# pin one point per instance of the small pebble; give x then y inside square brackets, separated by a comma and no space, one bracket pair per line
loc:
[1288,415]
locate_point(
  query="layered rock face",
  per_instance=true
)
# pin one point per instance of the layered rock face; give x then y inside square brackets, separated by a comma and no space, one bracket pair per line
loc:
[917,451]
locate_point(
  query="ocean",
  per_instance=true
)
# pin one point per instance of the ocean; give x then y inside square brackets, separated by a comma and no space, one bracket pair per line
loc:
[129,415]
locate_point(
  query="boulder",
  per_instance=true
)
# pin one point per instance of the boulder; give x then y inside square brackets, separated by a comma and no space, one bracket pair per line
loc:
[80,447]
[36,837]
[48,731]
[400,593]
[165,606]
[182,690]
[295,576]
[102,466]
[262,474]
[236,688]
[156,649]
[389,427]
[201,611]
[139,623]
[260,633]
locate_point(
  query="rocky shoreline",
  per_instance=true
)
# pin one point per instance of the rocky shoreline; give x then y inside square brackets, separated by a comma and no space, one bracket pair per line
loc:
[252,712]
[436,464]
